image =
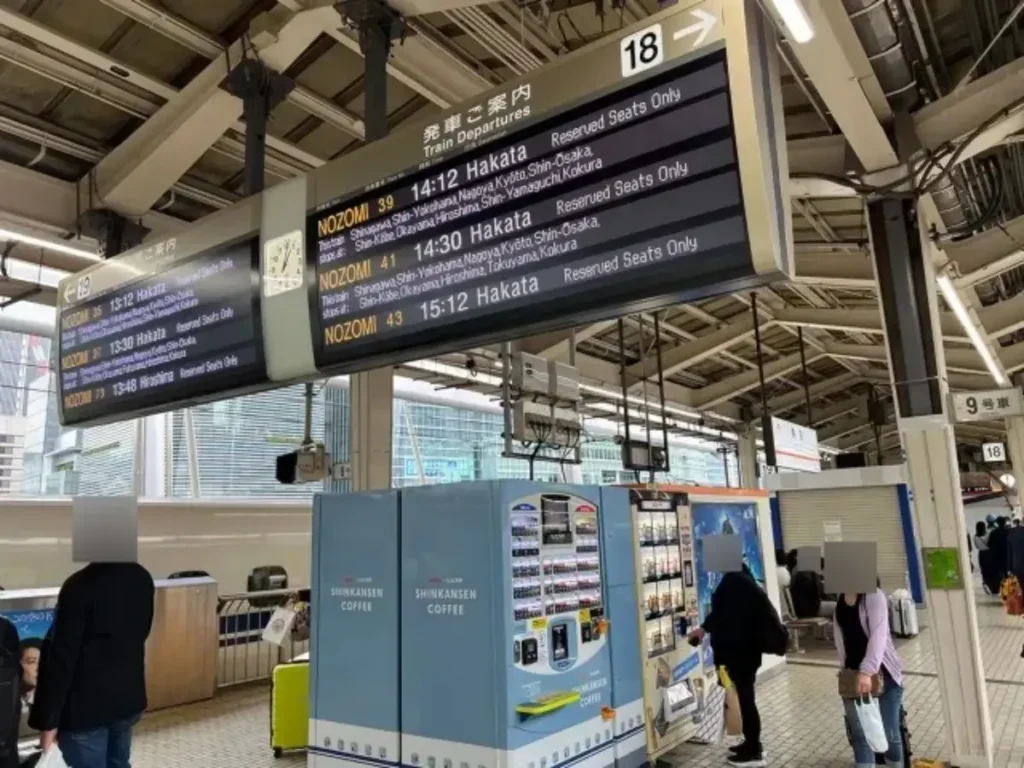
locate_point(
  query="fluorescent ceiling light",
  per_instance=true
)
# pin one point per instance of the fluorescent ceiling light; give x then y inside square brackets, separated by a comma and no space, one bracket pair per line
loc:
[49,245]
[981,345]
[793,15]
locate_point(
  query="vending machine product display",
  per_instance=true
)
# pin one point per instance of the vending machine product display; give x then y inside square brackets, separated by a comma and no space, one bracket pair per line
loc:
[673,674]
[506,653]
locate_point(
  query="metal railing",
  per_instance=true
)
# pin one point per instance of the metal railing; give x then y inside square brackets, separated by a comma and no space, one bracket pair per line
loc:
[242,656]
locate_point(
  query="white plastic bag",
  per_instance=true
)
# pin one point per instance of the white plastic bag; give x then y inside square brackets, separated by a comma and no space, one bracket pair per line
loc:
[52,758]
[279,626]
[870,717]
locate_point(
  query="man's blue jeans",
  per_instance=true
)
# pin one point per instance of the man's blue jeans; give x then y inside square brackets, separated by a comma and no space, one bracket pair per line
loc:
[109,747]
[890,703]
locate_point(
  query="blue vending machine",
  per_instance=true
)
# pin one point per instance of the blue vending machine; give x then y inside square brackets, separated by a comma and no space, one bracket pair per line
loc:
[354,642]
[505,648]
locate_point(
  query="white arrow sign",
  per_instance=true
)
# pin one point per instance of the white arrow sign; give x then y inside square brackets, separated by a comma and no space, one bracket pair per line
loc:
[702,28]
[68,290]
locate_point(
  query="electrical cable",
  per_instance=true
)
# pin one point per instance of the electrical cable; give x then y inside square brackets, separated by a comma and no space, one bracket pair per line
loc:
[930,161]
[991,212]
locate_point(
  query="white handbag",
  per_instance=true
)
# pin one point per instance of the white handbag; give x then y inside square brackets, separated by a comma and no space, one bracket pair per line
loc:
[870,717]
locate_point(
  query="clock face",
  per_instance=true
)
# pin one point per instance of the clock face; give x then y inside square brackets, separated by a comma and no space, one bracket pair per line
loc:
[284,264]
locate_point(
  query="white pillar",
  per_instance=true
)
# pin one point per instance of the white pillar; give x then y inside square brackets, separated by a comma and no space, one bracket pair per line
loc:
[371,399]
[746,449]
[928,442]
[1015,451]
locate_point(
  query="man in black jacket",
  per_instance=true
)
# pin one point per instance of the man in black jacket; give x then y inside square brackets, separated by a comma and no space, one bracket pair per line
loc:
[92,686]
[743,624]
[10,699]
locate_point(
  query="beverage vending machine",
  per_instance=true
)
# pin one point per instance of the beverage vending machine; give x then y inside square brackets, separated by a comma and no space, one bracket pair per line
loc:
[514,595]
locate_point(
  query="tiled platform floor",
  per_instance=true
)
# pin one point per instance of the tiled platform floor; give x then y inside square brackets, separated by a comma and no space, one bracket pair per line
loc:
[801,713]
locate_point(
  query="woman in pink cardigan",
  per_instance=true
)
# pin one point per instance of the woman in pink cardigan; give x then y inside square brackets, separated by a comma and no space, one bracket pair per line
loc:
[867,651]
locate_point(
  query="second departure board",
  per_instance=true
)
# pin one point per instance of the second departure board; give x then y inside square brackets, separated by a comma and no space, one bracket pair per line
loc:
[632,198]
[187,329]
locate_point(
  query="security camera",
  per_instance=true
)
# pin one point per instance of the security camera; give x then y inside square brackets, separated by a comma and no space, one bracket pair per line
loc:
[309,464]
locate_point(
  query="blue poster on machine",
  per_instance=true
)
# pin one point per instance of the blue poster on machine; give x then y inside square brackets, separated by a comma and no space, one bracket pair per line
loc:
[715,519]
[31,624]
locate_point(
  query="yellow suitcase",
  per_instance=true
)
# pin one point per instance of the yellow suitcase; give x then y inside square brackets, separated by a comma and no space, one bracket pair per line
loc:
[289,707]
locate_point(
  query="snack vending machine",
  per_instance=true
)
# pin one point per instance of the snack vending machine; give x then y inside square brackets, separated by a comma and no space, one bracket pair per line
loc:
[506,657]
[676,683]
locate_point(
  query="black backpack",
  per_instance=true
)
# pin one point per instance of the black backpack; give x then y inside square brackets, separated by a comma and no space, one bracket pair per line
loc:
[776,636]
[10,694]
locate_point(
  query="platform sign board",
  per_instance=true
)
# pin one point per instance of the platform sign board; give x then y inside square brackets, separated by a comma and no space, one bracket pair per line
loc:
[642,171]
[993,453]
[989,405]
[168,324]
[791,446]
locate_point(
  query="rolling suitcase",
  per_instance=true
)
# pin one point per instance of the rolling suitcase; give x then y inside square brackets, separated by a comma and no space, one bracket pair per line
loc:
[289,707]
[903,614]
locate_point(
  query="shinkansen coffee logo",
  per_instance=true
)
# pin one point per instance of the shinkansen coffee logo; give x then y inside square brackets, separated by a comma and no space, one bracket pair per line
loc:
[358,594]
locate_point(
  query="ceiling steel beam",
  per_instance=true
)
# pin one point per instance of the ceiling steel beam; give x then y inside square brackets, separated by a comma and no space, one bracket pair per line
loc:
[715,394]
[199,41]
[422,62]
[417,7]
[856,321]
[116,84]
[1003,317]
[135,174]
[829,59]
[796,398]
[844,428]
[956,115]
[958,359]
[45,207]
[837,270]
[1012,357]
[962,381]
[856,439]
[691,353]
[50,207]
[823,414]
[863,146]
[987,254]
[555,345]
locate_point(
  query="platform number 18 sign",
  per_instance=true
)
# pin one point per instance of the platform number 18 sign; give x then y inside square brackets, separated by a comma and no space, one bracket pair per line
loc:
[642,50]
[993,453]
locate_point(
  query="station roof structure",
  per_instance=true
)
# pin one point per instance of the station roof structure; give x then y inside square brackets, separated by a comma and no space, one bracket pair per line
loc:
[118,103]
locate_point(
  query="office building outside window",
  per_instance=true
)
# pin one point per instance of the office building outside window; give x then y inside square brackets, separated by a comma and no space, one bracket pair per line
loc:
[437,439]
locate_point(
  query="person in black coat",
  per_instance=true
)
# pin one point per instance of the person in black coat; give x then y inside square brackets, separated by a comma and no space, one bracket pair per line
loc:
[999,552]
[10,694]
[743,625]
[92,684]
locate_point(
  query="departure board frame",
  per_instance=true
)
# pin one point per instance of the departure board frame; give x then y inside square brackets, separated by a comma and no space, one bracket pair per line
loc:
[189,364]
[287,320]
[429,160]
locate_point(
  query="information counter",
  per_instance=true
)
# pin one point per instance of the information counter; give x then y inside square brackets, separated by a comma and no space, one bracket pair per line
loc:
[181,653]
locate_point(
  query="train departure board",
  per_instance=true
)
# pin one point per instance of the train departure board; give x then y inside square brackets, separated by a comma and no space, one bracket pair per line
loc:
[182,330]
[629,201]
